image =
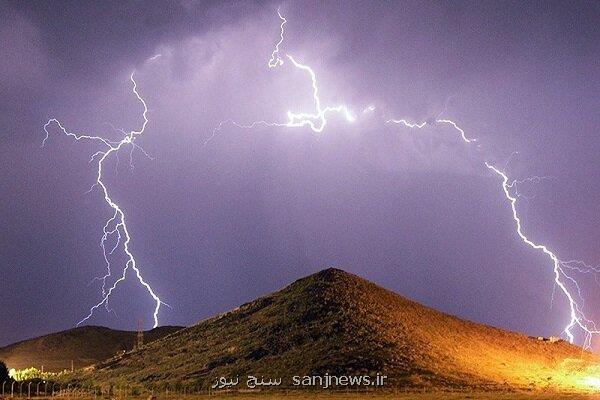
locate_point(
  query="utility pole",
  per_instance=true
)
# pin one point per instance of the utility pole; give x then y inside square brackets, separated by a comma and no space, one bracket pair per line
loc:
[140,335]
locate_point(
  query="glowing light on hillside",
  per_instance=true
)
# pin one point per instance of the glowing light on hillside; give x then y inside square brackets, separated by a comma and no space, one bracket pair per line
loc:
[592,382]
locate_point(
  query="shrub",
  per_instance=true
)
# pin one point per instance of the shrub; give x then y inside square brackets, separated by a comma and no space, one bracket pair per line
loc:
[3,372]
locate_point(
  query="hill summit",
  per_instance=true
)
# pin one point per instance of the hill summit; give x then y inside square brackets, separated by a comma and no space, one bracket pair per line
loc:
[337,323]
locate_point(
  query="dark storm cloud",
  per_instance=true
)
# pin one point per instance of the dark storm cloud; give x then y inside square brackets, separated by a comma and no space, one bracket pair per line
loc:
[217,225]
[91,39]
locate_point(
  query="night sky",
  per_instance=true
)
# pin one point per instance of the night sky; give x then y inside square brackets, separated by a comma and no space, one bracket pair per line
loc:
[218,225]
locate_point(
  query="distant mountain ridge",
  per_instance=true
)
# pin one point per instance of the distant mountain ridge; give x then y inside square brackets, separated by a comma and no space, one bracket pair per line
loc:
[336,323]
[84,346]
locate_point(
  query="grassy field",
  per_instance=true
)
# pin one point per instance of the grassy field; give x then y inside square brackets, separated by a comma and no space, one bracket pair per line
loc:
[358,396]
[398,396]
[412,396]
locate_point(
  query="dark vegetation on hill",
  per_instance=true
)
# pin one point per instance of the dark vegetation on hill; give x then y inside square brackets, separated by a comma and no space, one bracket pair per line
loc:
[337,323]
[85,346]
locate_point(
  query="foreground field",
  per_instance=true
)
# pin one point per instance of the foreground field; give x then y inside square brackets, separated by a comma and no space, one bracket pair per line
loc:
[398,396]
[359,396]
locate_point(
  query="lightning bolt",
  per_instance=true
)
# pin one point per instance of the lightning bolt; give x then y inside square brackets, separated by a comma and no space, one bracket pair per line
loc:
[577,317]
[275,61]
[510,191]
[317,121]
[411,125]
[115,227]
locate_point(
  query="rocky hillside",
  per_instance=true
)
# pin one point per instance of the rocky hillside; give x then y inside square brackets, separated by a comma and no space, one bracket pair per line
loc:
[337,323]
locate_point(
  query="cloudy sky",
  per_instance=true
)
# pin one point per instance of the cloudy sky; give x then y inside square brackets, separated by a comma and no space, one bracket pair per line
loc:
[214,225]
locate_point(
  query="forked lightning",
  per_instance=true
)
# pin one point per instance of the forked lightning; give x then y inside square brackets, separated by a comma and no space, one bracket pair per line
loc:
[115,227]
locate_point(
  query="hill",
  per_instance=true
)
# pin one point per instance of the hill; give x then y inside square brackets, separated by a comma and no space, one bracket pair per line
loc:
[336,323]
[84,346]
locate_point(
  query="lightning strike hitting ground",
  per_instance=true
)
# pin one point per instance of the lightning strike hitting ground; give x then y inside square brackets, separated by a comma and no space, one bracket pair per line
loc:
[577,316]
[115,227]
[316,122]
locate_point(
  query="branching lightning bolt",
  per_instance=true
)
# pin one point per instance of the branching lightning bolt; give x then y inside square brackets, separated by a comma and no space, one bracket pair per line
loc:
[509,188]
[577,317]
[115,227]
[316,121]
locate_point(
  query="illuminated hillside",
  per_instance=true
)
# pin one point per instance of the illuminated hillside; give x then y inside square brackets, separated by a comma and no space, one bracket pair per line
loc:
[337,323]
